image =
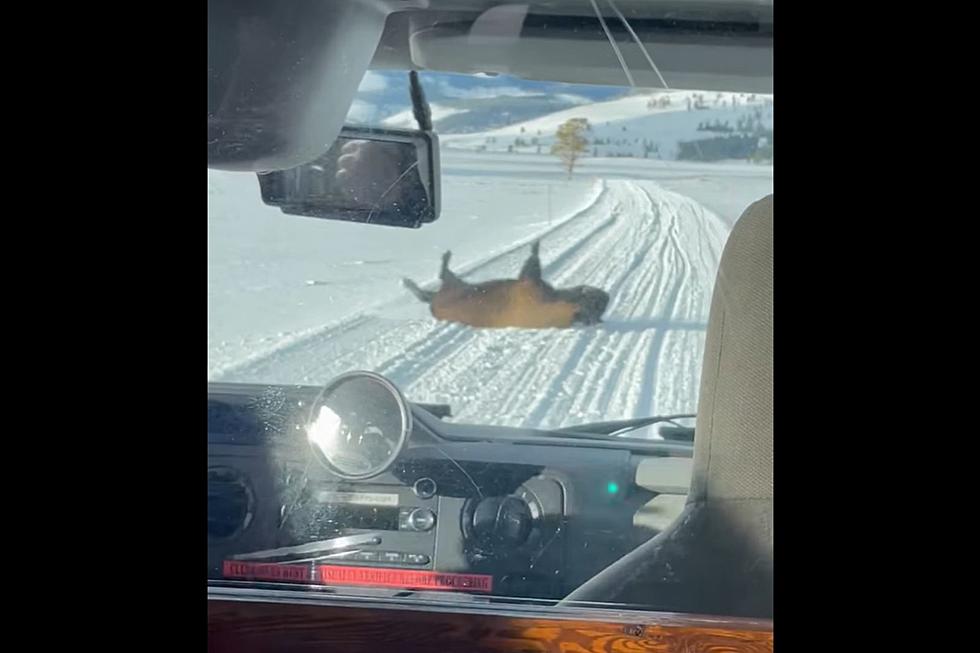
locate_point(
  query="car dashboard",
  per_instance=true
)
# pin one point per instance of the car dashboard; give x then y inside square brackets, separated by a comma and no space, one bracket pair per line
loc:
[407,501]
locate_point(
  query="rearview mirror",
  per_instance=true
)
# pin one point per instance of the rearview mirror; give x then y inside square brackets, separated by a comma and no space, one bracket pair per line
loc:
[374,176]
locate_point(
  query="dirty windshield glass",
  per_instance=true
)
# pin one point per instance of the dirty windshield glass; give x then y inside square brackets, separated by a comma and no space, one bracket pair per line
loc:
[501,402]
[641,215]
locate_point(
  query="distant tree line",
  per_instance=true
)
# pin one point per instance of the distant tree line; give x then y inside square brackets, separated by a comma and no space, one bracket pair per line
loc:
[754,147]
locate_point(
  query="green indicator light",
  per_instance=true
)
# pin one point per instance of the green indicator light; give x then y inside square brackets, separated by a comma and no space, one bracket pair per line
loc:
[612,487]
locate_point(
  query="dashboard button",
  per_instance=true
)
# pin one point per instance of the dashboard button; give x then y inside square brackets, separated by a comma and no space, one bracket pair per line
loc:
[422,519]
[416,558]
[369,556]
[392,556]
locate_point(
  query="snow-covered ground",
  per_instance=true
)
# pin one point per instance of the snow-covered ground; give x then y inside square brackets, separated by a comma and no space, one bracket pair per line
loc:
[299,300]
[725,188]
[273,277]
[627,126]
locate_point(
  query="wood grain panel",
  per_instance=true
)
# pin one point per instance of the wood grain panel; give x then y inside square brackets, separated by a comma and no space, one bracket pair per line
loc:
[246,627]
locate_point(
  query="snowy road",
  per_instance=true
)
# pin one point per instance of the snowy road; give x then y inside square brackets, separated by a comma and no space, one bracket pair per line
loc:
[726,189]
[654,250]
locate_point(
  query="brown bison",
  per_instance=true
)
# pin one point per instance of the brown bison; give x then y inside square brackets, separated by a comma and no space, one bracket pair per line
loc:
[527,302]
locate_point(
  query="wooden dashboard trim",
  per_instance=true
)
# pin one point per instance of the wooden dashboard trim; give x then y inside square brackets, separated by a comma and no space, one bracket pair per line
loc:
[244,621]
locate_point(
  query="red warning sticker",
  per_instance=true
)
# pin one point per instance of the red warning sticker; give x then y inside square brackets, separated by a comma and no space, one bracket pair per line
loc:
[267,571]
[403,578]
[369,576]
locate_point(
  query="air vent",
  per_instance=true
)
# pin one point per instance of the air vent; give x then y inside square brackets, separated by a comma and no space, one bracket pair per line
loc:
[231,503]
[231,423]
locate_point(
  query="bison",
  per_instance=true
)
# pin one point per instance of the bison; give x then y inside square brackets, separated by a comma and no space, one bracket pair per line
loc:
[526,302]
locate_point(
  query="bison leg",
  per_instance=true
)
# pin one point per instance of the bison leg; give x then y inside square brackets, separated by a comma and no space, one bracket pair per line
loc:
[532,266]
[448,277]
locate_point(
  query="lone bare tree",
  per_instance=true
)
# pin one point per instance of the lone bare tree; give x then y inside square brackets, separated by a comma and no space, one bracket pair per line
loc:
[570,144]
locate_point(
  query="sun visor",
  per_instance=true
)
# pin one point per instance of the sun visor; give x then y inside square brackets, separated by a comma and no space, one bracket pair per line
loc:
[281,77]
[722,54]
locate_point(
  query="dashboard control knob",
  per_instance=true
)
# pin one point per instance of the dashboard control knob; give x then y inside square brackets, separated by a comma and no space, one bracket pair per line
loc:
[502,522]
[425,488]
[421,519]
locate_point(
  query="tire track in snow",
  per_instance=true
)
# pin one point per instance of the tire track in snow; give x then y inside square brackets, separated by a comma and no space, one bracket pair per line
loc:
[366,327]
[673,260]
[619,267]
[600,262]
[284,353]
[654,250]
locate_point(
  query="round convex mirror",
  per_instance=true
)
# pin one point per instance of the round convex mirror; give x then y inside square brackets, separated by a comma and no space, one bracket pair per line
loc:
[358,425]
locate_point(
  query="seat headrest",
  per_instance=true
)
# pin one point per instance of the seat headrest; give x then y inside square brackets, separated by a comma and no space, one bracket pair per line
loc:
[716,556]
[733,446]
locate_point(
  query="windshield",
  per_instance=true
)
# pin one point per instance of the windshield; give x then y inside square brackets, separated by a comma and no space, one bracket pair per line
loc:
[457,325]
[641,215]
